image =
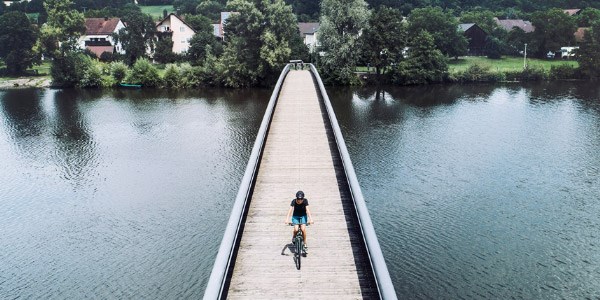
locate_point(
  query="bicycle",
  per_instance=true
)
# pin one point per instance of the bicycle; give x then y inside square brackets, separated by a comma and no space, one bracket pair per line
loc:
[298,246]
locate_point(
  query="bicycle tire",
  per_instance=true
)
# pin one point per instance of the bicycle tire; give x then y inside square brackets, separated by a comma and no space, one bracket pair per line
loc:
[299,252]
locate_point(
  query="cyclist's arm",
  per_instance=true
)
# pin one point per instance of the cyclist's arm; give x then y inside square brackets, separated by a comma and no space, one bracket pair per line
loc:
[287,218]
[310,219]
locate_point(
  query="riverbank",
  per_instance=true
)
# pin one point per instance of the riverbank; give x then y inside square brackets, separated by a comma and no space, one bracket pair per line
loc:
[26,82]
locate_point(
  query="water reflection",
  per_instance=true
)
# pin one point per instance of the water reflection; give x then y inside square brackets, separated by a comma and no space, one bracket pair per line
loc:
[481,190]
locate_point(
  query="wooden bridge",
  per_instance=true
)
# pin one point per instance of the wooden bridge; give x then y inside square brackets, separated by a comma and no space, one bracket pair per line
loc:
[299,147]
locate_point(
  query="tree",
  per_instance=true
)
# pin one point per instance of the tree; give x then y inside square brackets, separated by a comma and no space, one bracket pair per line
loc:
[185,6]
[383,41]
[138,37]
[588,16]
[61,32]
[17,38]
[202,39]
[341,24]
[424,63]
[588,54]
[553,29]
[442,26]
[211,10]
[493,47]
[257,42]
[483,19]
[164,49]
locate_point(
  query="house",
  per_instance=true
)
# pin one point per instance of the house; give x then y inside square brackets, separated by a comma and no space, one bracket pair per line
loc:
[178,30]
[308,31]
[509,25]
[476,37]
[572,12]
[219,29]
[98,35]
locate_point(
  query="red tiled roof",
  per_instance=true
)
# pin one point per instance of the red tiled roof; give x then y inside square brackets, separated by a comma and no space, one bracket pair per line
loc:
[95,26]
[98,50]
[508,25]
[308,28]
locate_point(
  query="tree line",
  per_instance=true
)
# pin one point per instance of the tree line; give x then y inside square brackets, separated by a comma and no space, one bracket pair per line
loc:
[263,35]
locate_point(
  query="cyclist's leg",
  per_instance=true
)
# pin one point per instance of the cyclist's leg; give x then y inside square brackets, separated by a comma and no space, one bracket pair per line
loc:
[303,228]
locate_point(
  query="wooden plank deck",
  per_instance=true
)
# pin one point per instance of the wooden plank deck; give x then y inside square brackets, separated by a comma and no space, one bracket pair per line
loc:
[300,154]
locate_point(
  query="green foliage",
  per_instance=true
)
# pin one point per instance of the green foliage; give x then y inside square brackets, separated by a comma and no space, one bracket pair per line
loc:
[425,63]
[118,70]
[171,78]
[163,53]
[383,41]
[588,54]
[185,6]
[587,17]
[533,74]
[210,9]
[341,23]
[553,29]
[483,19]
[306,10]
[67,70]
[563,72]
[137,37]
[479,73]
[17,38]
[92,74]
[64,27]
[258,42]
[442,26]
[144,73]
[493,48]
[201,40]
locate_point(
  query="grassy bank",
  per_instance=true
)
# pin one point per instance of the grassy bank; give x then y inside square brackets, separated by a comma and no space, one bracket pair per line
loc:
[505,64]
[157,11]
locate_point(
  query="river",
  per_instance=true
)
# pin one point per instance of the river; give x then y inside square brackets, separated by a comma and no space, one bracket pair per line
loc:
[476,191]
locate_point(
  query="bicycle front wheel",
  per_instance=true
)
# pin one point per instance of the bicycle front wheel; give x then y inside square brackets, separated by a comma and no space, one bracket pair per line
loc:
[298,252]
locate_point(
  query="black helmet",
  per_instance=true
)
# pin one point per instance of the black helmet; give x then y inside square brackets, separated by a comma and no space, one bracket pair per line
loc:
[300,195]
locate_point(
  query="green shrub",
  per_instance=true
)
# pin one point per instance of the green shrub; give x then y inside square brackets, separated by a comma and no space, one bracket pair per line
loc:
[108,81]
[563,72]
[67,70]
[172,77]
[118,70]
[534,74]
[92,75]
[144,73]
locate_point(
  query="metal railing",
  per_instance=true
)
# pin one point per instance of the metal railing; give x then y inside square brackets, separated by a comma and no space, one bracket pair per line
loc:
[380,270]
[218,276]
[225,256]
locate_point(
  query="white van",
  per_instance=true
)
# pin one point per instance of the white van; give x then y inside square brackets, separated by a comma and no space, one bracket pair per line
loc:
[568,52]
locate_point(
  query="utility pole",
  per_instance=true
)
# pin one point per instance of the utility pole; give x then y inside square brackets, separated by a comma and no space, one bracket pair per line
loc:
[525,57]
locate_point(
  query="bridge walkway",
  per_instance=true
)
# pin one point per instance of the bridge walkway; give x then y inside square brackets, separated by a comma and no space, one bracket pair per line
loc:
[300,153]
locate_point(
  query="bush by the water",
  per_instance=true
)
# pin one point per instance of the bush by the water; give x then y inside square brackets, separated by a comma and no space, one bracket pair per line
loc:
[563,72]
[144,73]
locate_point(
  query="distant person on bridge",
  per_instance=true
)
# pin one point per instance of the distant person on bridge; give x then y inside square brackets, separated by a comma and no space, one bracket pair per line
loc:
[298,212]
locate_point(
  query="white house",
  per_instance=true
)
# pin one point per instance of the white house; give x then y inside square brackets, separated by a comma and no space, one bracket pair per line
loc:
[98,35]
[182,33]
[309,32]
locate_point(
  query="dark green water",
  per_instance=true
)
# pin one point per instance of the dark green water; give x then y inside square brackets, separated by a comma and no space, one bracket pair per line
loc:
[475,191]
[481,191]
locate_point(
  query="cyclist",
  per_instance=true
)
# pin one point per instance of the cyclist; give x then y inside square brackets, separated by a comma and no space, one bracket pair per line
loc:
[298,212]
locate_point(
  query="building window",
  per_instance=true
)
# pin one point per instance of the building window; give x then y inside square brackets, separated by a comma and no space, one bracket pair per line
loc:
[181,29]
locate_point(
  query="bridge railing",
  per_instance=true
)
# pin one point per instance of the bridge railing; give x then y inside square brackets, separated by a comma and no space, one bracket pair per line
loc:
[380,270]
[226,255]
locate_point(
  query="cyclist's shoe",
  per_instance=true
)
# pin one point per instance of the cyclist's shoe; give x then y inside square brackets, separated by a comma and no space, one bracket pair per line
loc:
[305,249]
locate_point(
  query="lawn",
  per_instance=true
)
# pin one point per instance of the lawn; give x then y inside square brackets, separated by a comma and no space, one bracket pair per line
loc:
[41,70]
[157,11]
[505,63]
